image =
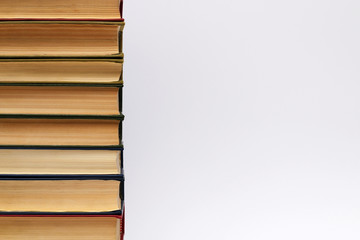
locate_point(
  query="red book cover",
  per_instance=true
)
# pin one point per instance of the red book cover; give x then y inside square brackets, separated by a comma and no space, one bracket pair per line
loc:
[4,15]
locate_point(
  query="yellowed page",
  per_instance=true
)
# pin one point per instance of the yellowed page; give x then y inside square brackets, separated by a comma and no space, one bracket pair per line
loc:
[58,39]
[59,9]
[59,100]
[26,161]
[59,132]
[59,196]
[60,71]
[58,228]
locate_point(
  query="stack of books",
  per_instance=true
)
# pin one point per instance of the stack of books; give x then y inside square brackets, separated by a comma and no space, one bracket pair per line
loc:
[61,153]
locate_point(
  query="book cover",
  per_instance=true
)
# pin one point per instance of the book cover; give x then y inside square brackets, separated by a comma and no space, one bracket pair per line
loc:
[65,10]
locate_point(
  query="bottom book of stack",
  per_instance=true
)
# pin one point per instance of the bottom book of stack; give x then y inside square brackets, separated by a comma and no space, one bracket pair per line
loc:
[61,194]
[66,227]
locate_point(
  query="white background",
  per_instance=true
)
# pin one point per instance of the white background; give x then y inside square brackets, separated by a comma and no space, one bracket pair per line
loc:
[242,119]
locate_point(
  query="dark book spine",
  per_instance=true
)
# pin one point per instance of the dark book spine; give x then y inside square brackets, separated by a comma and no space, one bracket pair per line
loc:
[39,84]
[121,3]
[61,215]
[63,147]
[120,41]
[113,57]
[120,97]
[56,214]
[113,21]
[63,116]
[64,177]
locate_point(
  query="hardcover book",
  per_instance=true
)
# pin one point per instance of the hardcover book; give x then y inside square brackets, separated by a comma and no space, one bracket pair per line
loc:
[60,39]
[81,227]
[60,71]
[99,194]
[59,130]
[64,100]
[60,162]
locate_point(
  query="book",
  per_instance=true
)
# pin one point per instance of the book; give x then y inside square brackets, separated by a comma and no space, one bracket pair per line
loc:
[66,227]
[49,195]
[60,71]
[110,10]
[60,162]
[76,100]
[60,130]
[51,39]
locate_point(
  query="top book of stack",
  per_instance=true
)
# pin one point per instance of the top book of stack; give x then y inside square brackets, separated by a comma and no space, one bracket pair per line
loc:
[77,29]
[62,10]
